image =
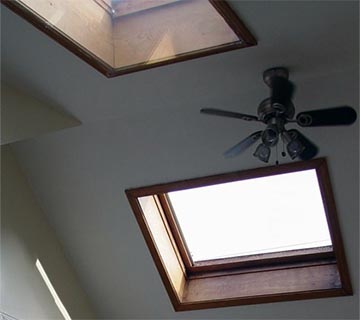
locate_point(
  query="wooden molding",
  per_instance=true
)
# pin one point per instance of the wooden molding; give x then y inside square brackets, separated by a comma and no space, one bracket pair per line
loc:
[233,21]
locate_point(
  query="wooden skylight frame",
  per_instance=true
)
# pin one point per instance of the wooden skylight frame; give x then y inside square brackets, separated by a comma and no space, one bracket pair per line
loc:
[113,51]
[296,275]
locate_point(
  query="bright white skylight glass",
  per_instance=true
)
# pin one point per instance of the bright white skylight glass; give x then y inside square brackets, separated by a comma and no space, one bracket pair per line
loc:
[262,215]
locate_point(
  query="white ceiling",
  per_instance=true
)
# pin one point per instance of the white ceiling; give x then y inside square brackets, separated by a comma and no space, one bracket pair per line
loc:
[145,128]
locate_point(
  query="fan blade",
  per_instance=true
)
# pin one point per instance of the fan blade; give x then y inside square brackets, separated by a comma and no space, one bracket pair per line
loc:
[223,113]
[281,90]
[337,116]
[310,151]
[243,145]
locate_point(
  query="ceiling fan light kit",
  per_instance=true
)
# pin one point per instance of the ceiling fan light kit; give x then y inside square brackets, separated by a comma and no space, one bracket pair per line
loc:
[262,152]
[277,111]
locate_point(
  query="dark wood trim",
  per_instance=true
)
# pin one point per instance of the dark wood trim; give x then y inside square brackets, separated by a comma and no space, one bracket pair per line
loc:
[110,72]
[232,19]
[263,268]
[320,252]
[287,284]
[333,222]
[306,295]
[268,260]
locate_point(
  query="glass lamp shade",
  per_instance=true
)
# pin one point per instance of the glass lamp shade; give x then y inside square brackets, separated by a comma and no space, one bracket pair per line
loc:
[270,136]
[295,148]
[262,152]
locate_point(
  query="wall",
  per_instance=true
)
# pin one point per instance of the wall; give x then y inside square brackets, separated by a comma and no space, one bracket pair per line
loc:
[26,237]
[87,168]
[24,117]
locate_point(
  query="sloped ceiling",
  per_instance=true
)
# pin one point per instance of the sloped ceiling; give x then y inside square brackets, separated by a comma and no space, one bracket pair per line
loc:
[145,128]
[24,117]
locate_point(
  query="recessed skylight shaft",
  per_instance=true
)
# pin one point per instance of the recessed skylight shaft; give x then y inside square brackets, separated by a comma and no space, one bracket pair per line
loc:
[122,36]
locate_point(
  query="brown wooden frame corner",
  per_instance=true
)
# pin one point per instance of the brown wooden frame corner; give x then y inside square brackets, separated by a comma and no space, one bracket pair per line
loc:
[305,275]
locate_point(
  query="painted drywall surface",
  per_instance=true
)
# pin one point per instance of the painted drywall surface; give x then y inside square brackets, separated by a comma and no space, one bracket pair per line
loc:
[26,237]
[24,117]
[81,185]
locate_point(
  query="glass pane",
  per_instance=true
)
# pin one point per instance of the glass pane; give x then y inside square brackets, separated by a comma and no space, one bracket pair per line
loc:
[136,32]
[263,215]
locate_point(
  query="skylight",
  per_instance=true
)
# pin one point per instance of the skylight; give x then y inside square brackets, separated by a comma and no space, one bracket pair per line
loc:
[269,214]
[260,235]
[118,37]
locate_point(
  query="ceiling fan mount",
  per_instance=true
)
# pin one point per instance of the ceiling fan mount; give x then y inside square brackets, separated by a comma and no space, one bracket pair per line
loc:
[269,74]
[277,111]
[279,105]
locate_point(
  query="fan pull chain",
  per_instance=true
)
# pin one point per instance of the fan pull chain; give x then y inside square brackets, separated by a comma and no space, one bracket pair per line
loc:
[277,155]
[283,153]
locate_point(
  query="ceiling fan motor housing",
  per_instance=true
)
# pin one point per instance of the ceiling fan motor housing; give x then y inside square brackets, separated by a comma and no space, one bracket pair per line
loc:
[268,110]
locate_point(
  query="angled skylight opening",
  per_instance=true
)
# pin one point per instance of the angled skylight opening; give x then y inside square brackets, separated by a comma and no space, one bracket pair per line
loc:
[254,216]
[261,235]
[122,36]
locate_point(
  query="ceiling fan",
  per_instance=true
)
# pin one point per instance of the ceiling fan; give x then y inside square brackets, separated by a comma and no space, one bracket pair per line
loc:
[278,110]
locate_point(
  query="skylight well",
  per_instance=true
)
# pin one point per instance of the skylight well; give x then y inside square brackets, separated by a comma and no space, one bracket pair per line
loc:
[122,36]
[261,235]
[255,216]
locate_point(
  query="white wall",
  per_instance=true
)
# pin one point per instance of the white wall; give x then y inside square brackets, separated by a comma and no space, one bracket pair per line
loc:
[25,237]
[24,117]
